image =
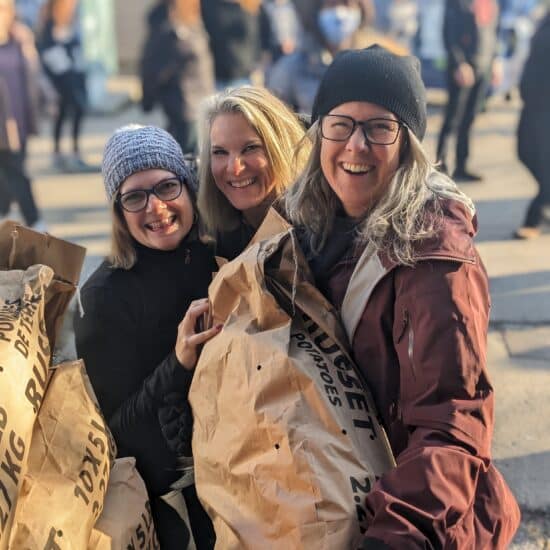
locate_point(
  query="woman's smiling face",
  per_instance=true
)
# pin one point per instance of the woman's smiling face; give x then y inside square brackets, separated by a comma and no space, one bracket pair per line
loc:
[359,173]
[240,166]
[161,225]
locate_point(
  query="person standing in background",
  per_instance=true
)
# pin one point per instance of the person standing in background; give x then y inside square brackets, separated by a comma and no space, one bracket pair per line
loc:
[533,143]
[62,59]
[18,113]
[470,37]
[177,70]
[234,30]
[330,26]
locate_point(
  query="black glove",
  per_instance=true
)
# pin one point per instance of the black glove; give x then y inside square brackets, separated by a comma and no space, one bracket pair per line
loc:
[176,423]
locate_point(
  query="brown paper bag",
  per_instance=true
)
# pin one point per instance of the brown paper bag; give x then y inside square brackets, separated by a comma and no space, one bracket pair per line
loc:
[24,360]
[32,303]
[21,247]
[286,438]
[68,466]
[126,522]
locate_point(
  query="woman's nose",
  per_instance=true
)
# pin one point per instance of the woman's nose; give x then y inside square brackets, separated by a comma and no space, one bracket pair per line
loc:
[357,141]
[154,204]
[236,165]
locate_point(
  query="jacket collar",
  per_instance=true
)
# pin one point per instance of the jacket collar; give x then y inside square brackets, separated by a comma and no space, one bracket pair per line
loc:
[453,240]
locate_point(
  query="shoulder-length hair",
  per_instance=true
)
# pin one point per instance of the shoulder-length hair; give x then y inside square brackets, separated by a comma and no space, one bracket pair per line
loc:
[408,212]
[122,254]
[280,131]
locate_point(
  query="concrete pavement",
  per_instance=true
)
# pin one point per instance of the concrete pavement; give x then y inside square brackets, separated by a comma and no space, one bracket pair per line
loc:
[74,208]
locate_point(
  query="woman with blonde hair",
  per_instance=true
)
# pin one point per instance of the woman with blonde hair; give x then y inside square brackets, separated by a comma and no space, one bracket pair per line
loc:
[247,158]
[390,243]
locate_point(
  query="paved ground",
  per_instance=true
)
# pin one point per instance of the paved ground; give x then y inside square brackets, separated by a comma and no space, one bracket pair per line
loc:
[519,342]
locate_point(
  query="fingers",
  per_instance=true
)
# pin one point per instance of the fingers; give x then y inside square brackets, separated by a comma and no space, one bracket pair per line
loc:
[195,310]
[202,337]
[188,346]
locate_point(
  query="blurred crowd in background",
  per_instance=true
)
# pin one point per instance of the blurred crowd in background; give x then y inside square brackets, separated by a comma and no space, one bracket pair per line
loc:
[190,48]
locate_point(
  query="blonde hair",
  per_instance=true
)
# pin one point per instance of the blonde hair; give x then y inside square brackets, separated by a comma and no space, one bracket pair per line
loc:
[278,128]
[407,213]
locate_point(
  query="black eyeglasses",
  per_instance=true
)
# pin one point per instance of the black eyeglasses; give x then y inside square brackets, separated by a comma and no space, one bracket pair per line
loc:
[377,131]
[136,200]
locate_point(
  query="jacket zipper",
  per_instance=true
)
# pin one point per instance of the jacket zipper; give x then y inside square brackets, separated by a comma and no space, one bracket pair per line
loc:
[407,327]
[410,349]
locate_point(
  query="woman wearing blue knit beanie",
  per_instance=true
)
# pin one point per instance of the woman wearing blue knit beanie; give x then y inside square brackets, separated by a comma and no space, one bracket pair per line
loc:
[141,306]
[390,243]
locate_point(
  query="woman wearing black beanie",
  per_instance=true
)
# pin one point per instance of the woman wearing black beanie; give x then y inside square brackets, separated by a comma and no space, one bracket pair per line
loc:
[390,242]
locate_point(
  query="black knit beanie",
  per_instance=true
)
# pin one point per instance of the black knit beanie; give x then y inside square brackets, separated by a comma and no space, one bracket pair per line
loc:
[377,76]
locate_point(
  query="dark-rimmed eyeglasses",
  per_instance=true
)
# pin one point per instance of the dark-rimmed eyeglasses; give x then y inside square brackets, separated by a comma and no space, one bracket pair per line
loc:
[377,131]
[137,199]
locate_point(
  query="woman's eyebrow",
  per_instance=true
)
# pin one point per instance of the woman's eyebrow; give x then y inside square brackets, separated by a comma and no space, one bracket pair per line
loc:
[149,184]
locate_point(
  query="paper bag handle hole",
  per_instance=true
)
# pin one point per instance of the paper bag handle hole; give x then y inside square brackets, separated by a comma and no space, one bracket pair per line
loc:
[277,446]
[259,367]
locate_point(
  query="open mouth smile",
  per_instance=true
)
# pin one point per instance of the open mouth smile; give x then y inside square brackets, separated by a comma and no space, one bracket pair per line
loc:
[160,225]
[356,169]
[242,183]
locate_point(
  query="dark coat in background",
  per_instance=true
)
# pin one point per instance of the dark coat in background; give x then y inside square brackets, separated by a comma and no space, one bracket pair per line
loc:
[177,72]
[234,38]
[466,39]
[470,36]
[23,38]
[63,63]
[533,141]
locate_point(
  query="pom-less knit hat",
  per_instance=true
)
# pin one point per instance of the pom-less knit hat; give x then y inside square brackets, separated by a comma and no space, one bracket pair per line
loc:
[377,76]
[135,148]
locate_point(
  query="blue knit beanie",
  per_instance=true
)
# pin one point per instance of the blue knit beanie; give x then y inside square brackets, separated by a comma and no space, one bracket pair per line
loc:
[135,148]
[377,76]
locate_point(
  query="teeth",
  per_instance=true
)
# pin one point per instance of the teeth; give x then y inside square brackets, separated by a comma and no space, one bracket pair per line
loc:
[356,168]
[161,223]
[242,183]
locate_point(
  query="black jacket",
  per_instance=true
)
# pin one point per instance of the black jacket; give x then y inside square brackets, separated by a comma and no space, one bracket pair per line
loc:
[127,337]
[177,70]
[533,142]
[63,63]
[234,38]
[467,41]
[230,244]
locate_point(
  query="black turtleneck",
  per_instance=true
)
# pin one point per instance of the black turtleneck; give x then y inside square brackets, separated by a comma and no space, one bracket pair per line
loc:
[127,337]
[230,244]
[338,246]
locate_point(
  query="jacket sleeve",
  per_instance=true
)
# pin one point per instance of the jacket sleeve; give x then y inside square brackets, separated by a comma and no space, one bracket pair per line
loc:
[446,402]
[106,338]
